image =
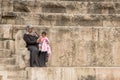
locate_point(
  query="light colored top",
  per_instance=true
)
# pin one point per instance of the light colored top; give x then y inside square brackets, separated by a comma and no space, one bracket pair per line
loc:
[44,45]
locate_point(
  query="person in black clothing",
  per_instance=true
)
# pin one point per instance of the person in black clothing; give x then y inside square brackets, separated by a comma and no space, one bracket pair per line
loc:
[32,44]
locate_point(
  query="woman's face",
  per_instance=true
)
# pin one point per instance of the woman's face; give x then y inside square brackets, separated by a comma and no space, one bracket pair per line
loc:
[30,30]
[43,35]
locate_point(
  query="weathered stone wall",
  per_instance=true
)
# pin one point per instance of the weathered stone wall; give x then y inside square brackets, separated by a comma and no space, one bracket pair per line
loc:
[83,33]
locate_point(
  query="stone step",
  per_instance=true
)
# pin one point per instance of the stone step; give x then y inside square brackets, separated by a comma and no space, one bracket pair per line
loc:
[76,0]
[7,45]
[70,7]
[74,73]
[5,53]
[5,32]
[17,74]
[7,61]
[40,28]
[2,68]
[9,67]
[52,19]
[17,79]
[8,6]
[12,67]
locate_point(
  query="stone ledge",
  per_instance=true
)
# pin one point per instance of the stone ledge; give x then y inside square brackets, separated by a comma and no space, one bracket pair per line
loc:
[74,73]
[6,31]
[5,53]
[66,7]
[77,0]
[7,61]
[22,27]
[60,19]
[17,74]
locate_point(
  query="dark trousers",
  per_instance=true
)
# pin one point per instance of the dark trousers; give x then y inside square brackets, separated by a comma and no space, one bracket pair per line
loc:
[43,58]
[34,59]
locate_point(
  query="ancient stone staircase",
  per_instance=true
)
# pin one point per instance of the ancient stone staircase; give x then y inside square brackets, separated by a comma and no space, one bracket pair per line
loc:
[84,35]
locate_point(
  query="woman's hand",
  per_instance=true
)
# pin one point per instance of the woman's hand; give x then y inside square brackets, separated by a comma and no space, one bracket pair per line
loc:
[38,40]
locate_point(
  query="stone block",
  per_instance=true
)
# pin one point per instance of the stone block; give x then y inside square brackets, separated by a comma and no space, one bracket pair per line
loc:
[7,61]
[11,67]
[27,18]
[17,74]
[11,46]
[103,52]
[2,68]
[107,73]
[115,52]
[8,18]
[6,31]
[7,6]
[55,7]
[103,8]
[8,44]
[19,40]
[1,44]
[115,34]
[111,23]
[105,34]
[0,6]
[4,53]
[22,58]
[26,6]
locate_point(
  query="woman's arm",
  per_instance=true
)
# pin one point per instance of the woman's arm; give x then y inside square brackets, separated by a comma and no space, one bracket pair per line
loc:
[28,41]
